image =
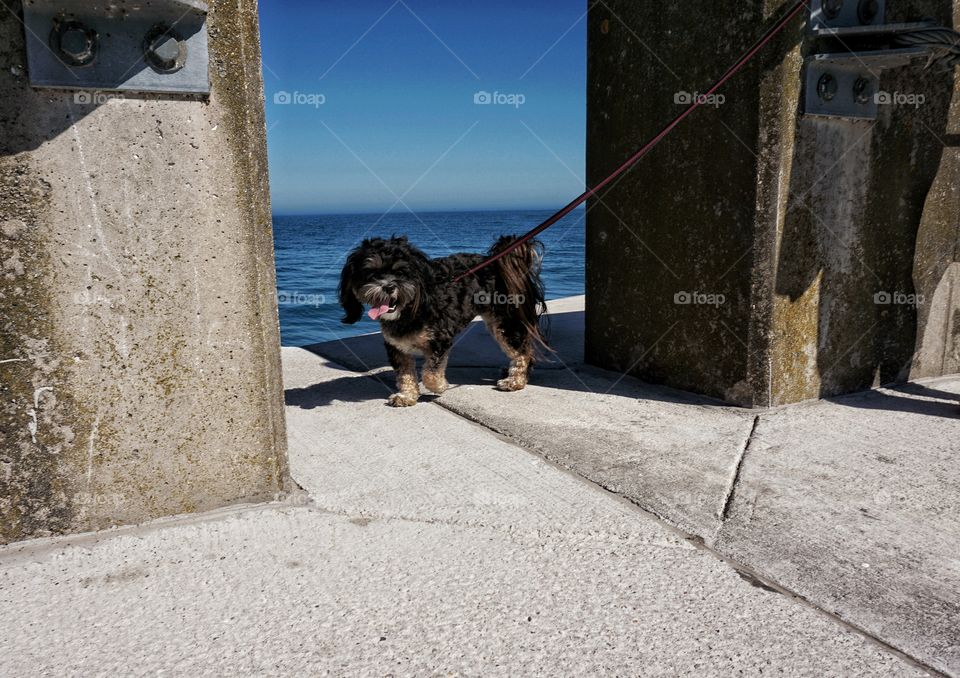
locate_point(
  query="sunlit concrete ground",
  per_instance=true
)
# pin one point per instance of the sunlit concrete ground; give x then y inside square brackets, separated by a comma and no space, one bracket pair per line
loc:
[488,533]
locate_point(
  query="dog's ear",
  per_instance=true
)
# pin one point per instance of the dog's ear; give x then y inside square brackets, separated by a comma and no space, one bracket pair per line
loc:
[348,299]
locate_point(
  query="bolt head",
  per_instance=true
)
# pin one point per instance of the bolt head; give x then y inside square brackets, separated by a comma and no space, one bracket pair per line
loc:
[861,91]
[76,43]
[827,87]
[832,8]
[867,11]
[164,49]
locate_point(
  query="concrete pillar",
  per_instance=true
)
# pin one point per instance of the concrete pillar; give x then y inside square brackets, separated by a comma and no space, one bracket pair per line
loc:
[139,349]
[748,256]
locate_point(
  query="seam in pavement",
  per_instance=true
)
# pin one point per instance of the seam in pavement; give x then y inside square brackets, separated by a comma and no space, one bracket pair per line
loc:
[30,549]
[735,475]
[508,530]
[748,573]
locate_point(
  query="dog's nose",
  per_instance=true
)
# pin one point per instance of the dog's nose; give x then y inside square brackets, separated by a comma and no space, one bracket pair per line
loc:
[389,288]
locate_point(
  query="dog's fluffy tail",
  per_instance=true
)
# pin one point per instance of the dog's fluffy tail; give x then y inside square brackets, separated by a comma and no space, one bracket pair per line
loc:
[519,274]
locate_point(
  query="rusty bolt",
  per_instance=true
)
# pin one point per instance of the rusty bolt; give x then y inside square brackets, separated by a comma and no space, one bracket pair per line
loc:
[861,91]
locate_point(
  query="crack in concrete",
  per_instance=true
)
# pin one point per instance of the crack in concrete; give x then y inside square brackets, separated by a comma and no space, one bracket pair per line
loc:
[735,475]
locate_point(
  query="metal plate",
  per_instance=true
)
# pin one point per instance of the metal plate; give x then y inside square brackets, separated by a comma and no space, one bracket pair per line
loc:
[848,14]
[121,27]
[846,69]
[871,31]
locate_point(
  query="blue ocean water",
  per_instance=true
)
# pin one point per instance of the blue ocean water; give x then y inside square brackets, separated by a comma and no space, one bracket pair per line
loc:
[310,251]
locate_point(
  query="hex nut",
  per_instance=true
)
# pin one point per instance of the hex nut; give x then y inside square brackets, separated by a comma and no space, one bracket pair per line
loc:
[164,49]
[74,43]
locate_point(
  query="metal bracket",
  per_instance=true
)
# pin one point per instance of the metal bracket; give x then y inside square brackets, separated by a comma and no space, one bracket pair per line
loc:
[826,15]
[847,84]
[123,45]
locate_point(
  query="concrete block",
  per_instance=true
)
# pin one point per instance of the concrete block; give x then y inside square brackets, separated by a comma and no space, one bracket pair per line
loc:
[748,257]
[139,361]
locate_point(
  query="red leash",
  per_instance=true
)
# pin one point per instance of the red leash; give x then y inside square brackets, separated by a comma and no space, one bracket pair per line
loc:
[733,70]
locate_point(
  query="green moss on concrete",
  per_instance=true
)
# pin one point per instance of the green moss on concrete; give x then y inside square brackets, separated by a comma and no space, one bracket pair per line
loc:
[35,498]
[158,409]
[797,221]
[237,78]
[686,218]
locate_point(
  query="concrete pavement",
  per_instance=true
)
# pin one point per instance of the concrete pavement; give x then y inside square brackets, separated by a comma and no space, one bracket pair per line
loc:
[852,503]
[430,544]
[582,587]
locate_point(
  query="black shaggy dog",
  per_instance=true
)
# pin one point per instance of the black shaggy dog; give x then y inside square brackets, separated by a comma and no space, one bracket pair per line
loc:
[421,310]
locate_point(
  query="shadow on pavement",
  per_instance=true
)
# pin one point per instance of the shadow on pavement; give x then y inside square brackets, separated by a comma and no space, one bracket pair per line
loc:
[476,360]
[915,399]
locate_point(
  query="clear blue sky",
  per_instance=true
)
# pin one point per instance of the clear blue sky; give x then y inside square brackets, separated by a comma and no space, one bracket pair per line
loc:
[382,103]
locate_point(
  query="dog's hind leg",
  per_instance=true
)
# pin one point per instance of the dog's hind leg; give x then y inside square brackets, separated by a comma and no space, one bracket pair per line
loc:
[406,368]
[434,369]
[516,342]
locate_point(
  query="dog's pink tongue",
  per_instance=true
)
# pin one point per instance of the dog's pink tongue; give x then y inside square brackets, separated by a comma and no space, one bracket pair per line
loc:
[375,313]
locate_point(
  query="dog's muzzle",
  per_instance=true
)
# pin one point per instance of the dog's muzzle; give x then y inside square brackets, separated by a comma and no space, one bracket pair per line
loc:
[383,301]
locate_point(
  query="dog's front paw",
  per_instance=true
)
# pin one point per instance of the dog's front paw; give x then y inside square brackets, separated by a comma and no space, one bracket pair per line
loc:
[435,385]
[511,384]
[401,400]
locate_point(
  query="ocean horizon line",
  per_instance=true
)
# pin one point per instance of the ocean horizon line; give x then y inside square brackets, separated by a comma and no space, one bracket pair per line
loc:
[362,213]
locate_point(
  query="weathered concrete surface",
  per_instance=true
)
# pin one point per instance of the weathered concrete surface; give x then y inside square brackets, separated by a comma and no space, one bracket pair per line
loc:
[433,547]
[870,209]
[683,220]
[139,362]
[850,502]
[798,223]
[284,591]
[584,419]
[855,503]
[569,403]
